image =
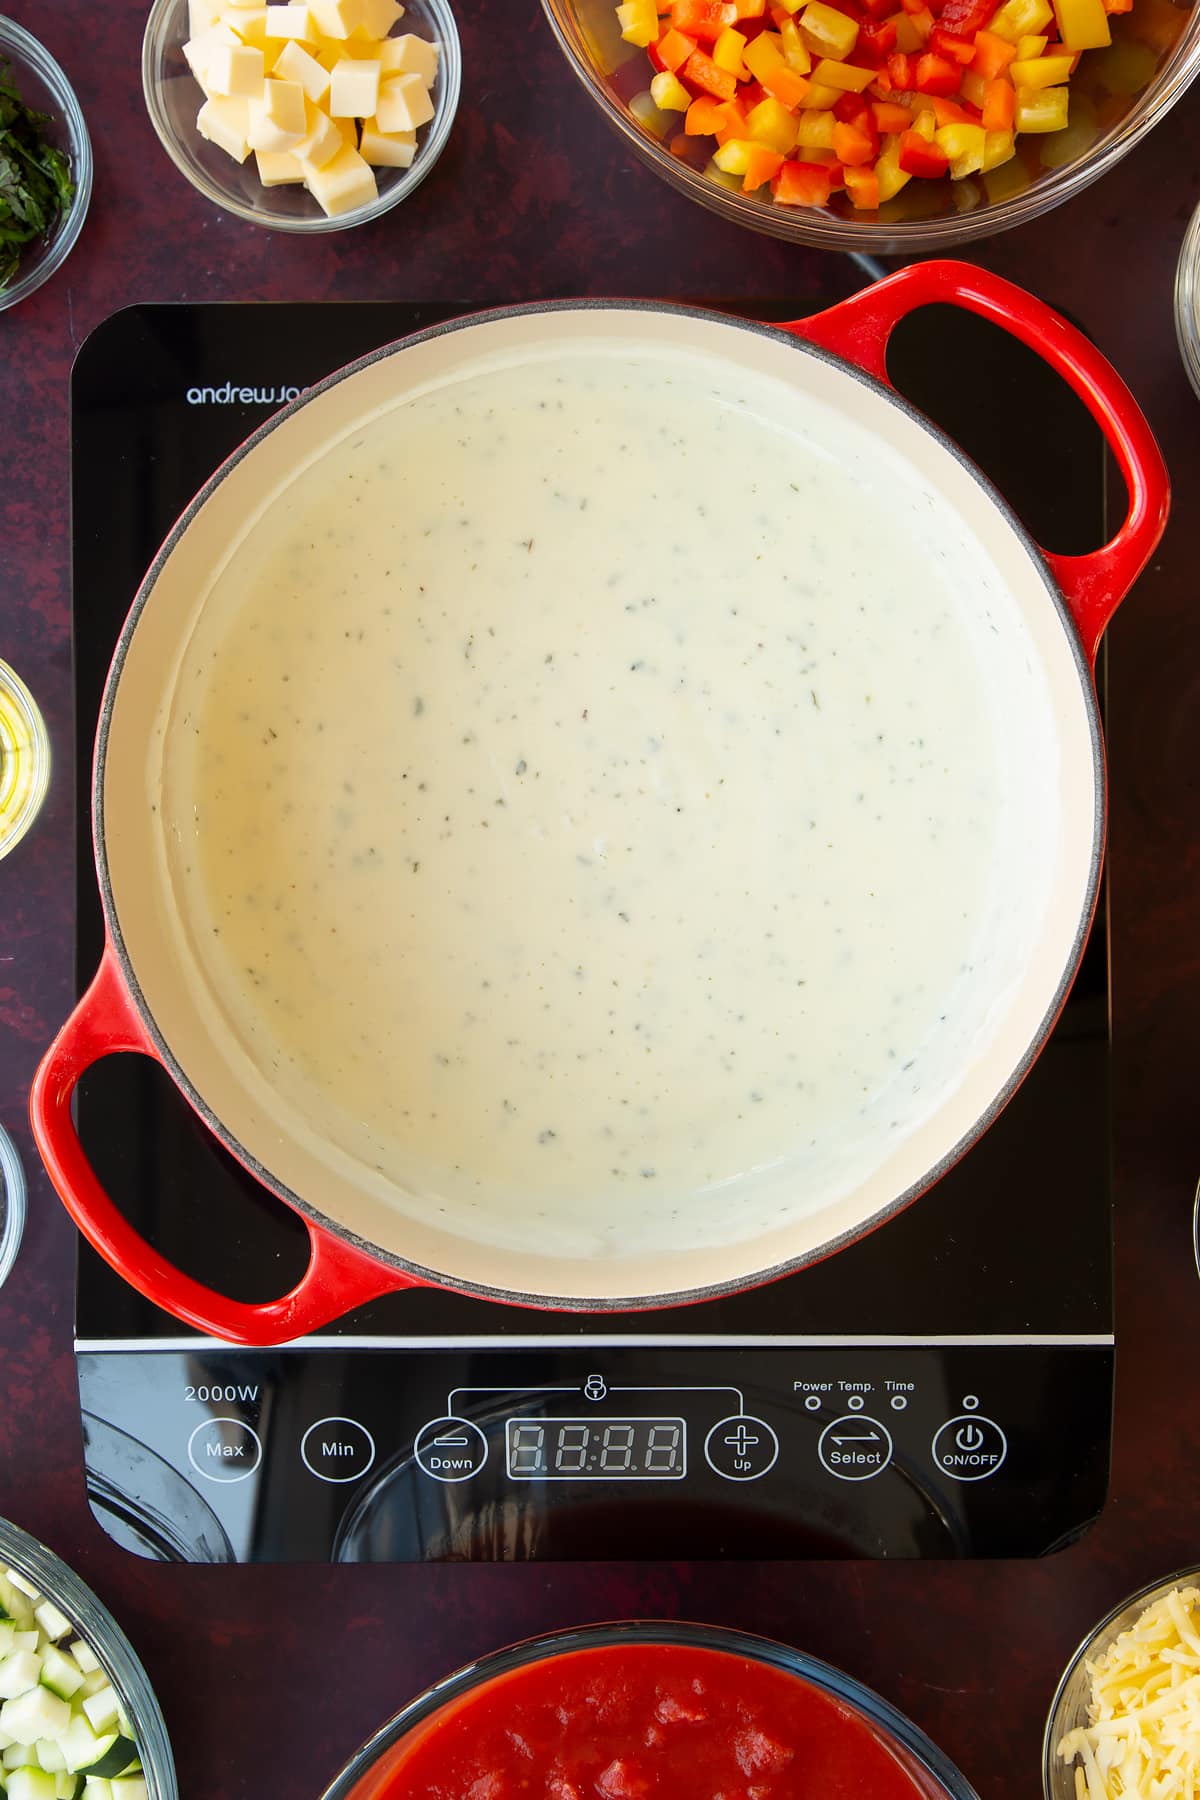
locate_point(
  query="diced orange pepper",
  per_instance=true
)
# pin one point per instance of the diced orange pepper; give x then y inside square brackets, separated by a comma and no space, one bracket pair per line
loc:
[732,122]
[761,167]
[703,73]
[674,49]
[705,19]
[999,105]
[992,55]
[949,112]
[890,118]
[783,84]
[704,116]
[852,146]
[1118,6]
[863,189]
[802,184]
[750,9]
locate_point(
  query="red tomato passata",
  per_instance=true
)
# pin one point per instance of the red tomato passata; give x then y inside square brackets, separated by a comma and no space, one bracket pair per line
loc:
[642,1722]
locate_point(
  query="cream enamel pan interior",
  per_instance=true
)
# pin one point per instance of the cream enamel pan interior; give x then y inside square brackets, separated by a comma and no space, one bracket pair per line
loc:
[1024,943]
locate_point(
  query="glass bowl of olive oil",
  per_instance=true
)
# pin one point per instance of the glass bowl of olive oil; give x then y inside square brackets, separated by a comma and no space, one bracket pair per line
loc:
[24,759]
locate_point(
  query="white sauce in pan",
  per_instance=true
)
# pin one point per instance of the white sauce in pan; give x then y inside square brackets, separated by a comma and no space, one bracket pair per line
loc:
[585,793]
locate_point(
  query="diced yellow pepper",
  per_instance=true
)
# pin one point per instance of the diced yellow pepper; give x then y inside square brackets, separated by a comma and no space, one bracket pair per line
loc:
[971,88]
[1020,18]
[827,32]
[819,96]
[998,148]
[846,76]
[1042,72]
[733,158]
[964,145]
[1042,109]
[658,123]
[638,20]
[1029,47]
[727,51]
[890,176]
[763,53]
[669,93]
[771,124]
[908,36]
[925,123]
[795,50]
[1082,24]
[792,6]
[815,130]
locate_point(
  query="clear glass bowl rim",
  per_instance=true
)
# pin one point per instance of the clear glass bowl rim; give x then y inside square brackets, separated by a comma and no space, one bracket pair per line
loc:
[429,148]
[1187,301]
[93,1621]
[900,237]
[23,45]
[834,1682]
[1098,1639]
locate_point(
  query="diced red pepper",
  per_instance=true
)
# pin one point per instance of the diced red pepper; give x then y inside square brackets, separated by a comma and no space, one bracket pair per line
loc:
[703,73]
[955,49]
[999,105]
[879,9]
[704,19]
[802,184]
[919,157]
[852,147]
[656,61]
[934,74]
[749,94]
[875,42]
[890,119]
[966,17]
[901,71]
[850,108]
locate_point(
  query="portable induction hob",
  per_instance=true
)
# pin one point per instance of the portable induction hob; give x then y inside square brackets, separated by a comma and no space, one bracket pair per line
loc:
[942,1388]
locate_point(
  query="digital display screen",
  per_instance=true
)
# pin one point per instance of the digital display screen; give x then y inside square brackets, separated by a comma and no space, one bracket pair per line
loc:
[606,1449]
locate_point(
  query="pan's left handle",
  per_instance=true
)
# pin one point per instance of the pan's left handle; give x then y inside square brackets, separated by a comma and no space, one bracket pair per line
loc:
[859,328]
[106,1022]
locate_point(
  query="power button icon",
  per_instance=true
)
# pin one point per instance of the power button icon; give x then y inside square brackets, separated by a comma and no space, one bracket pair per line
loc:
[969,1448]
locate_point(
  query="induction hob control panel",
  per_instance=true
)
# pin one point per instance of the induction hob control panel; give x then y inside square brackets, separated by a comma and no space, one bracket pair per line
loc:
[564,1450]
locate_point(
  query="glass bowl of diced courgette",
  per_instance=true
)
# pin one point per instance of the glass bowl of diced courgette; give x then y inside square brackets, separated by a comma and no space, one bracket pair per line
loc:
[78,1717]
[299,117]
[1117,91]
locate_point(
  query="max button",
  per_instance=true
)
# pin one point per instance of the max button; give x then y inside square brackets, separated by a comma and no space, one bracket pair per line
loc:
[969,1448]
[337,1449]
[224,1450]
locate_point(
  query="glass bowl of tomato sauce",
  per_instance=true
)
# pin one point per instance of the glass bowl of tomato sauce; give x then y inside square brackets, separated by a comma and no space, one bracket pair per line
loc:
[1116,94]
[649,1711]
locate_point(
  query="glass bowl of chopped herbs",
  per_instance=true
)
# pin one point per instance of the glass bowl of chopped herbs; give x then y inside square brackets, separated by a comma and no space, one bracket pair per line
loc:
[45,165]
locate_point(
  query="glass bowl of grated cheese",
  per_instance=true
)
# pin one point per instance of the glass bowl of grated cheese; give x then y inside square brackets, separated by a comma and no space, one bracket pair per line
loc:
[1125,1721]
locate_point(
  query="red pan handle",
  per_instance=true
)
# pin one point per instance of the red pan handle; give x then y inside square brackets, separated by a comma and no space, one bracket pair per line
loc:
[858,329]
[338,1276]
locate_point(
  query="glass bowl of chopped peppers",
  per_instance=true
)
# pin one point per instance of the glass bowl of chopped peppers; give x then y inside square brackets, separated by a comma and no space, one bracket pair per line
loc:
[45,165]
[1125,1721]
[884,125]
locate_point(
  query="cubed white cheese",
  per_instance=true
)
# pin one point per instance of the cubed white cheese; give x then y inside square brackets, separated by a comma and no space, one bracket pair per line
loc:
[403,104]
[226,123]
[386,149]
[277,121]
[323,138]
[278,167]
[229,6]
[199,50]
[354,88]
[379,16]
[251,27]
[336,18]
[409,55]
[203,15]
[235,73]
[288,22]
[345,183]
[295,63]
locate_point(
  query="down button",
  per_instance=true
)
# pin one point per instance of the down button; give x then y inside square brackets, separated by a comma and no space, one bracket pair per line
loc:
[969,1448]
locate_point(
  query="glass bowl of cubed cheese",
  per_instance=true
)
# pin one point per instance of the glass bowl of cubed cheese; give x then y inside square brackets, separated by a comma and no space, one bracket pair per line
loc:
[312,115]
[78,1717]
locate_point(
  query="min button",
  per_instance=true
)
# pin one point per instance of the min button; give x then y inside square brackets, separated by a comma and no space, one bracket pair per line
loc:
[337,1449]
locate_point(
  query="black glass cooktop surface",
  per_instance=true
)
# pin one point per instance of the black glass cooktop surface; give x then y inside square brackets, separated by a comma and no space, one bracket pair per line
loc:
[942,1388]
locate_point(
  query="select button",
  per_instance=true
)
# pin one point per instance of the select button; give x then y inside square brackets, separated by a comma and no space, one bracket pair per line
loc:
[337,1449]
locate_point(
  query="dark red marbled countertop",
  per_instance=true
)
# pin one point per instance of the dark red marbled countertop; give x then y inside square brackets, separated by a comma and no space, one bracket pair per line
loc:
[270,1676]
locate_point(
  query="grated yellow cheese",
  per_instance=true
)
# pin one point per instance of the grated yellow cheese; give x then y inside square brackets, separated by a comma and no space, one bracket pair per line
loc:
[1142,1739]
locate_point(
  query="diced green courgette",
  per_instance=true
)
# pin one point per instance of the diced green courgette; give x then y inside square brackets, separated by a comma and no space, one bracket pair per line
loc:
[31,1784]
[19,1672]
[55,1624]
[35,1714]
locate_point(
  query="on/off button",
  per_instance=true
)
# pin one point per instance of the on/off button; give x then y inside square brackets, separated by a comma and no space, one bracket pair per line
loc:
[969,1448]
[337,1449]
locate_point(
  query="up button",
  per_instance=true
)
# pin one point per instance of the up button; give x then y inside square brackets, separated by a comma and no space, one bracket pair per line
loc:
[969,1448]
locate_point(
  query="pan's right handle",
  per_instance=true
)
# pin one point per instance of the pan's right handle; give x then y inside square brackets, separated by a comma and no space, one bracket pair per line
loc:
[106,1022]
